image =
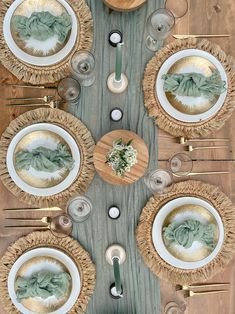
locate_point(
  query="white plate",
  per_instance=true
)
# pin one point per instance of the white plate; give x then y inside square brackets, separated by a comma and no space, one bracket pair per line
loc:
[161,95]
[40,61]
[47,252]
[158,239]
[50,190]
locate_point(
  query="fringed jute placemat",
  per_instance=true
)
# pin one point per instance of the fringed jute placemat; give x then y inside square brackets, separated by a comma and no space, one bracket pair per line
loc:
[164,270]
[163,119]
[77,130]
[45,239]
[47,74]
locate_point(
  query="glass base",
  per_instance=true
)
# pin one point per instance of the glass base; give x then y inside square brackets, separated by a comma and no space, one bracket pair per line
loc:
[87,82]
[152,44]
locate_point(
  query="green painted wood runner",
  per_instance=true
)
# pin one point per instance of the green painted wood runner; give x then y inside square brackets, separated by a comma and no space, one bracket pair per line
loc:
[141,287]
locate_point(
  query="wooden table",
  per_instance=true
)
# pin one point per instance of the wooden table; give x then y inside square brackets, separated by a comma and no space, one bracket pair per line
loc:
[205,16]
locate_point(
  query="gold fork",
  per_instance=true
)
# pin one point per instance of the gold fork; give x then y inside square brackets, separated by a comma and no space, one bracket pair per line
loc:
[189,293]
[46,99]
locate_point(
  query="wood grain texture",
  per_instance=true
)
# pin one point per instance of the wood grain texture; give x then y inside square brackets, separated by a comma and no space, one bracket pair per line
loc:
[124,5]
[103,147]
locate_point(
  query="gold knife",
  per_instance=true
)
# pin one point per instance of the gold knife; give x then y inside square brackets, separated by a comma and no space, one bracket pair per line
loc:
[200,36]
[33,209]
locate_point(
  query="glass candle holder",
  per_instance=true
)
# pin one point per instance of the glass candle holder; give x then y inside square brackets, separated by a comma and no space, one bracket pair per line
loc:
[159,25]
[61,226]
[69,90]
[79,208]
[83,65]
[159,181]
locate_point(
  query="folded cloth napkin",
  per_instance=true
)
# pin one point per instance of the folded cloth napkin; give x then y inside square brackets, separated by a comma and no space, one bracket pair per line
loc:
[189,231]
[43,284]
[45,159]
[42,25]
[194,84]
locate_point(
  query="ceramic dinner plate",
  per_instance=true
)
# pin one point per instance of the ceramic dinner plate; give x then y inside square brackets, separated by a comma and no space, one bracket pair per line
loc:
[185,108]
[32,51]
[48,259]
[178,210]
[41,183]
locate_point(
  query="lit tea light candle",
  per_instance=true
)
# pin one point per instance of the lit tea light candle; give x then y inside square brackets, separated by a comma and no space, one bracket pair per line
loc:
[116,114]
[114,212]
[115,37]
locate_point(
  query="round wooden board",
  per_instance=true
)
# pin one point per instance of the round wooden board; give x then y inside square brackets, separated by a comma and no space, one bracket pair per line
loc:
[105,144]
[124,5]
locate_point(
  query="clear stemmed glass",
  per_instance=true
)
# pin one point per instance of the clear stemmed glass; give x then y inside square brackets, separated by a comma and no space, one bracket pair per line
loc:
[159,25]
[178,8]
[159,181]
[181,164]
[83,66]
[69,90]
[61,226]
[79,208]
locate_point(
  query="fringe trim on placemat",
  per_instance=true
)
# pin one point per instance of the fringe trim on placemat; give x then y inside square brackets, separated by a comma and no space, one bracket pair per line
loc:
[45,239]
[78,131]
[47,74]
[163,119]
[164,270]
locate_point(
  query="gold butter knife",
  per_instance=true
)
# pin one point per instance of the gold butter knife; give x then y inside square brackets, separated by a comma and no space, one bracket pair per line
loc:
[200,36]
[33,209]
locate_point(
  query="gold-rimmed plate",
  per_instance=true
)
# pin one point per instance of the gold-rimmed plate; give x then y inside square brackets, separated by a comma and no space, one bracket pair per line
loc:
[45,259]
[33,51]
[198,251]
[43,183]
[178,210]
[186,108]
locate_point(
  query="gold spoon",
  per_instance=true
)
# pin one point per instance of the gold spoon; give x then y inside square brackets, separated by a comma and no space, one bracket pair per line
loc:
[179,287]
[190,293]
[46,99]
[45,220]
[190,148]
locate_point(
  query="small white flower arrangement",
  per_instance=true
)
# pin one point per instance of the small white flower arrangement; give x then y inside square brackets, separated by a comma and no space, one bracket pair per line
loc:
[121,157]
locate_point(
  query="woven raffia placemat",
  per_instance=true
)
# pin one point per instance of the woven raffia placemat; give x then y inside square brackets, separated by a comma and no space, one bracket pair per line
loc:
[164,270]
[45,239]
[77,130]
[47,74]
[163,119]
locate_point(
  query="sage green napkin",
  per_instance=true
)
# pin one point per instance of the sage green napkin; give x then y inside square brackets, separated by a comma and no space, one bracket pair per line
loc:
[189,231]
[194,84]
[45,159]
[42,25]
[43,284]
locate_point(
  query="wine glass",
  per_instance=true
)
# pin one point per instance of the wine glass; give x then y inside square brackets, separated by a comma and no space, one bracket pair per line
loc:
[79,208]
[83,65]
[181,164]
[69,90]
[159,25]
[61,226]
[177,7]
[159,181]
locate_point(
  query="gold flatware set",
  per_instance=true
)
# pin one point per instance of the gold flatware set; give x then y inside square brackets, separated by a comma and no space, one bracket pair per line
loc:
[189,290]
[52,104]
[184,140]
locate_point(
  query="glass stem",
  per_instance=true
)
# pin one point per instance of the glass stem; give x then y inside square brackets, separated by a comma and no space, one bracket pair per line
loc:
[117,277]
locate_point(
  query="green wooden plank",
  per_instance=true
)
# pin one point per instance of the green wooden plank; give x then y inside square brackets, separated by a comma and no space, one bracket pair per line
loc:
[141,287]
